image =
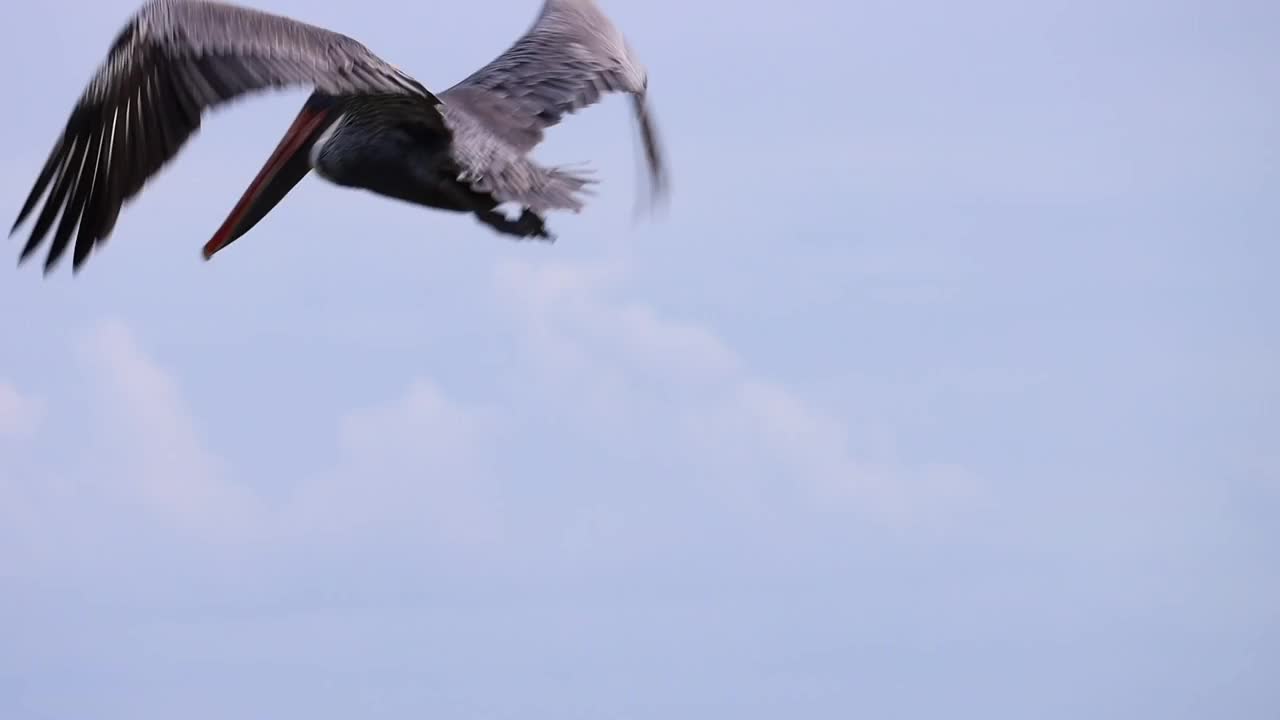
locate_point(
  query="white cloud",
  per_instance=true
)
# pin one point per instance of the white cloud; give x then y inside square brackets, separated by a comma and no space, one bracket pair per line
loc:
[20,419]
[154,437]
[20,415]
[633,391]
[567,305]
[417,464]
[412,465]
[756,436]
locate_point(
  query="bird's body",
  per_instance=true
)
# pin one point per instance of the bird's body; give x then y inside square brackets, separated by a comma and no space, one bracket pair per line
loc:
[366,124]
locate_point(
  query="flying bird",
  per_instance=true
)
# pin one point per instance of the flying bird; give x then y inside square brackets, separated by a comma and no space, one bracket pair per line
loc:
[366,125]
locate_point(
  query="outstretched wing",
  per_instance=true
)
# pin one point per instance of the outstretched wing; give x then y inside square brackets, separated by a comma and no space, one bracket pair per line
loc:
[571,56]
[171,63]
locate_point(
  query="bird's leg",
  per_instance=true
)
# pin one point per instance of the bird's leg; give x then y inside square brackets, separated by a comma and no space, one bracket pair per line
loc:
[529,224]
[485,207]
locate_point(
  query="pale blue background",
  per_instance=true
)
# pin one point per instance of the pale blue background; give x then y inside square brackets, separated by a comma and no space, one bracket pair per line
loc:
[946,387]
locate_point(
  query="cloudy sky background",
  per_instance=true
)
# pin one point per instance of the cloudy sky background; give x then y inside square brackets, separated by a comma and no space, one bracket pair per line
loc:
[945,386]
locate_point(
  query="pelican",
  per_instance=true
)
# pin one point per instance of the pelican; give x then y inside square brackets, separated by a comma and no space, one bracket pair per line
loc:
[366,124]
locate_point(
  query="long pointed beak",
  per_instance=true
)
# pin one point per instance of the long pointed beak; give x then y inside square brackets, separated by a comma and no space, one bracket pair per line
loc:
[285,168]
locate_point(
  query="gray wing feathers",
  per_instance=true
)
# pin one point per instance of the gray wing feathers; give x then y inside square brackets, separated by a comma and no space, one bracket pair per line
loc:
[172,62]
[570,57]
[252,49]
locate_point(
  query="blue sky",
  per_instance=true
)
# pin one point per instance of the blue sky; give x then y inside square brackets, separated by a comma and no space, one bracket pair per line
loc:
[945,386]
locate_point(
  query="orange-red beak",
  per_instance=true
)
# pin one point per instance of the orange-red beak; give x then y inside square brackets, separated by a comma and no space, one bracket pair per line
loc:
[283,170]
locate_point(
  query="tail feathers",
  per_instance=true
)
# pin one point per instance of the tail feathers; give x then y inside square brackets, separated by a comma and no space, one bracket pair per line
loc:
[540,189]
[564,187]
